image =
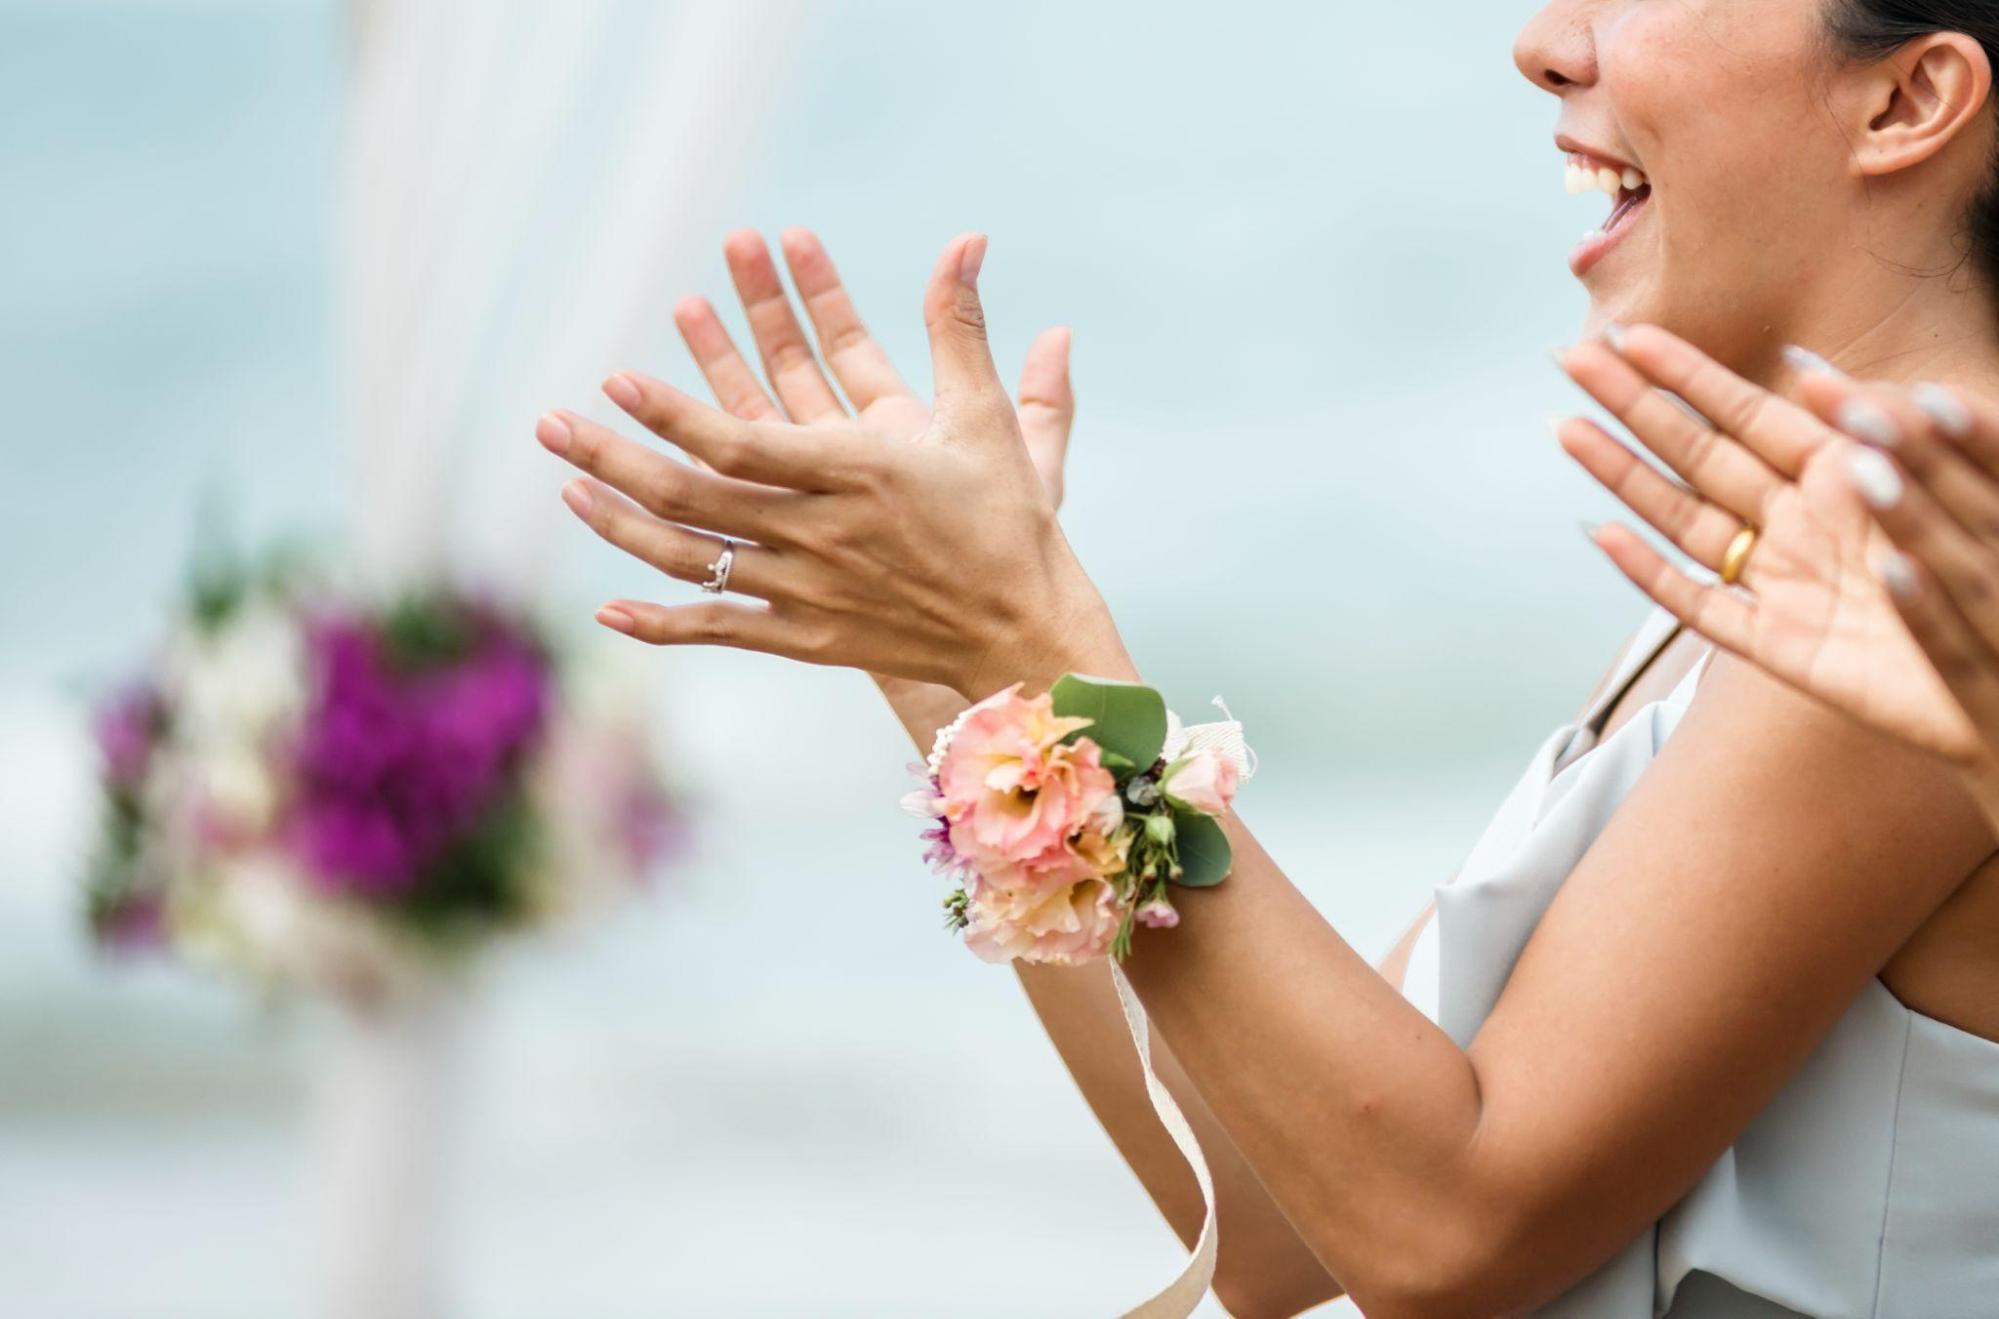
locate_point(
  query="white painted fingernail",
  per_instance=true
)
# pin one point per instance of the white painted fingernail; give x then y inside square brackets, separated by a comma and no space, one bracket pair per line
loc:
[1898,575]
[1944,408]
[1808,363]
[1868,422]
[1613,334]
[1875,478]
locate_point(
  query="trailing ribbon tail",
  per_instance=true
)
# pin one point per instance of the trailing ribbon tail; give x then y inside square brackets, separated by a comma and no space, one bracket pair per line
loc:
[1181,1297]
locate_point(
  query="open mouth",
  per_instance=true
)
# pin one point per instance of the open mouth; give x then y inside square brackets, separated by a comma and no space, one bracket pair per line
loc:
[1628,190]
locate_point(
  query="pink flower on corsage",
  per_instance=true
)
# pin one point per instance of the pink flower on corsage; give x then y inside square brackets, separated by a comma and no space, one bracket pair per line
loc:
[1016,796]
[1204,781]
[1063,842]
[1063,926]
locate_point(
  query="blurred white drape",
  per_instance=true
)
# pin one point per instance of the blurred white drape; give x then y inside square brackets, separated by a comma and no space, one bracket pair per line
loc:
[526,186]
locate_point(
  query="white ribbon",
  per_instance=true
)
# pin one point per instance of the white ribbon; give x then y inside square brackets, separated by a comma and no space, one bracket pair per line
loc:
[1183,1295]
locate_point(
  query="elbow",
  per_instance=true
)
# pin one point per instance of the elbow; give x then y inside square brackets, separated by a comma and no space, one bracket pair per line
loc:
[1449,1265]
[1249,1295]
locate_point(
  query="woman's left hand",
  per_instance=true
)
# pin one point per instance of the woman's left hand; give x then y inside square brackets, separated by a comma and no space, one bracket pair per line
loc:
[940,561]
[1814,612]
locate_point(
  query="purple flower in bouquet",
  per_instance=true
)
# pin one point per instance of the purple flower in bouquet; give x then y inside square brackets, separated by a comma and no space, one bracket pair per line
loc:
[398,760]
[127,727]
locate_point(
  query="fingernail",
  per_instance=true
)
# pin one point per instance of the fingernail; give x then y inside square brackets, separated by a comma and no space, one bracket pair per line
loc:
[577,495]
[1868,422]
[1559,355]
[1875,478]
[1807,363]
[616,619]
[622,390]
[1898,574]
[1944,408]
[553,432]
[1590,529]
[1555,423]
[1613,334]
[970,260]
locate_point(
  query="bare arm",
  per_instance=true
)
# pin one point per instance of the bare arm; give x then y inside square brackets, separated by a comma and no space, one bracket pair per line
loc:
[1263,1267]
[1767,866]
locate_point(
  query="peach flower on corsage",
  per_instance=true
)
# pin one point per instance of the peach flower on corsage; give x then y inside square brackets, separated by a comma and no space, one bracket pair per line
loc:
[1064,822]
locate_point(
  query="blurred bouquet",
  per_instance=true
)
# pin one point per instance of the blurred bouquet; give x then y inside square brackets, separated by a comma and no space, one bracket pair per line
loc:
[348,797]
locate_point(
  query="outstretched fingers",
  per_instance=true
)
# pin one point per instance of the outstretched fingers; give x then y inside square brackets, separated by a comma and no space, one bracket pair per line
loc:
[857,361]
[1700,528]
[1964,661]
[668,489]
[1778,433]
[1921,427]
[1715,464]
[1720,615]
[679,552]
[771,453]
[1965,570]
[735,384]
[788,358]
[712,623]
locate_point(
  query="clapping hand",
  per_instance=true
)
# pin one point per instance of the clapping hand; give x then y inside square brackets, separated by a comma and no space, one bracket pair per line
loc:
[917,543]
[1872,582]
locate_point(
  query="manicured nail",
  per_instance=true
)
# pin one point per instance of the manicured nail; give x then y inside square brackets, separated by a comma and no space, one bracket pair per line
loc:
[1898,575]
[1944,408]
[970,260]
[554,433]
[1808,363]
[577,495]
[1868,422]
[1875,478]
[1590,529]
[617,619]
[1559,355]
[1613,334]
[622,390]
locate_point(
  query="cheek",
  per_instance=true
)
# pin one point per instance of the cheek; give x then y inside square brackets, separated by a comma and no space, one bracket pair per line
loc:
[1722,109]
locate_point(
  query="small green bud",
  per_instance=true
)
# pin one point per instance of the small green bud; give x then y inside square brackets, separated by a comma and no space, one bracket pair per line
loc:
[1159,828]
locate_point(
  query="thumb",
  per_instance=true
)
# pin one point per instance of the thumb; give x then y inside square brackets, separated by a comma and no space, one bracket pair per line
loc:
[961,360]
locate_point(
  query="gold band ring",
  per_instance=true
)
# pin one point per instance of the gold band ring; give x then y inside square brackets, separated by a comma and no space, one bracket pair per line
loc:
[1737,558]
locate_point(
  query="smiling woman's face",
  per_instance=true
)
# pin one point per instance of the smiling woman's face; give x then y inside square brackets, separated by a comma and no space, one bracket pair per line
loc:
[1718,111]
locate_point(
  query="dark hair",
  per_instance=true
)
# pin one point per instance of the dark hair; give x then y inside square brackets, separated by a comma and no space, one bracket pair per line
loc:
[1873,29]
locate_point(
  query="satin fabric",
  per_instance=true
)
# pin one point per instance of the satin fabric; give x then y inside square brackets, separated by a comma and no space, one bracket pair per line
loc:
[1865,1188]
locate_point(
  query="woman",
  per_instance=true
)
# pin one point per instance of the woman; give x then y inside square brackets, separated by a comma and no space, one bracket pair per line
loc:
[1658,1071]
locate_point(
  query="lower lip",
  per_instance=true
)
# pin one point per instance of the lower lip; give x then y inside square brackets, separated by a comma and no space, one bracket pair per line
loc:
[1597,246]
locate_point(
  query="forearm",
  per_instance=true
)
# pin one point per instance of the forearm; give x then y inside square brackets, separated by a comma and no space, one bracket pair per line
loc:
[1264,1267]
[1358,1113]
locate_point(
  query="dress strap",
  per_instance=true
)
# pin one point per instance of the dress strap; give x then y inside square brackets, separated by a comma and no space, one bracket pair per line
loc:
[1658,631]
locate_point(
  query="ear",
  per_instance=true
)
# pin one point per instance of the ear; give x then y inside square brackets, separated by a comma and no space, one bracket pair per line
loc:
[1921,99]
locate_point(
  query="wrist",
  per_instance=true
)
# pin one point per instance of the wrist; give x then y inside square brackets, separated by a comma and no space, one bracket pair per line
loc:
[1078,636]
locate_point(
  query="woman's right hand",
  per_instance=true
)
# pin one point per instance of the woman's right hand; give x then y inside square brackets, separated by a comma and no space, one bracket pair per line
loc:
[1891,618]
[799,389]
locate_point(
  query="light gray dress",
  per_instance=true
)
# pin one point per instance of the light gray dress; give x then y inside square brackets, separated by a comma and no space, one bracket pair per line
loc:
[1868,1187]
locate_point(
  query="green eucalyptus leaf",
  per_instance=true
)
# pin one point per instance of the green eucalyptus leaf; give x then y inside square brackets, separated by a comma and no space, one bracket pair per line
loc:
[1126,719]
[1205,854]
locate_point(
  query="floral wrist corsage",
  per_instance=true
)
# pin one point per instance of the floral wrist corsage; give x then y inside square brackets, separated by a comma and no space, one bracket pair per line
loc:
[1066,818]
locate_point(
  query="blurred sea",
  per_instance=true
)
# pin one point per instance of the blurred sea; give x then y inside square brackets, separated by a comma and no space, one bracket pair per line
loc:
[1314,262]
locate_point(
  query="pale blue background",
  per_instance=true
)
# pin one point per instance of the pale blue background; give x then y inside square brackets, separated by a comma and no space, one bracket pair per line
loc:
[1313,255]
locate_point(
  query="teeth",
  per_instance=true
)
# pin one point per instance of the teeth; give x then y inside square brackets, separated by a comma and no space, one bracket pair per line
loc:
[1578,179]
